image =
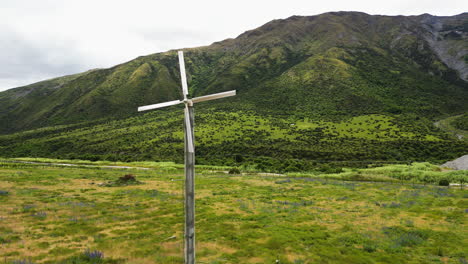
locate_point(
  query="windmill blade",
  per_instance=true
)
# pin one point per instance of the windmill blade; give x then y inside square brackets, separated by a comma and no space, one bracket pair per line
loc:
[183,76]
[213,96]
[188,131]
[154,106]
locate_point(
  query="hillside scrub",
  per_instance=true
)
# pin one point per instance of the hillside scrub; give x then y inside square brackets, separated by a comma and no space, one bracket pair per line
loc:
[273,143]
[461,122]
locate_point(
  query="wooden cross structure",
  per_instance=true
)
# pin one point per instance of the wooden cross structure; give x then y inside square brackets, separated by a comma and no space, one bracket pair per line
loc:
[189,155]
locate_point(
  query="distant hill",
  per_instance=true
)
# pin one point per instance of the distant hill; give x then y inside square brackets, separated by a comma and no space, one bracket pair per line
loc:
[404,71]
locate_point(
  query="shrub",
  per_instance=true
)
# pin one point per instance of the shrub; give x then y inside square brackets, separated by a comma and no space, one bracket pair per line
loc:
[92,257]
[368,247]
[402,237]
[408,240]
[93,254]
[234,171]
[330,169]
[391,205]
[444,182]
[127,179]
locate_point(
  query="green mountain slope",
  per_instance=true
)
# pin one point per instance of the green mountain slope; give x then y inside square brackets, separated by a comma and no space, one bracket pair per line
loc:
[320,71]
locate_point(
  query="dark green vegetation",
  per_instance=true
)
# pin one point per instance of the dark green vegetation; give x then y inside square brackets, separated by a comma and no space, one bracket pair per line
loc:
[126,180]
[66,217]
[455,126]
[244,138]
[341,86]
[461,122]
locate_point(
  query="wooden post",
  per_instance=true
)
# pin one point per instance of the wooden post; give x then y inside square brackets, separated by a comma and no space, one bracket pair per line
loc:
[189,248]
[190,196]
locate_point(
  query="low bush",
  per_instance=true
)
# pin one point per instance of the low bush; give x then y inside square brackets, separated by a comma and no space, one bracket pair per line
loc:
[444,182]
[93,254]
[126,180]
[234,171]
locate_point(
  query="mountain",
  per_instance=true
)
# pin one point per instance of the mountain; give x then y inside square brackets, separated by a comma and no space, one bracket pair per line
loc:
[307,74]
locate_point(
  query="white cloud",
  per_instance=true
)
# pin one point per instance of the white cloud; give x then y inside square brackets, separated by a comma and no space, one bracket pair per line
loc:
[48,38]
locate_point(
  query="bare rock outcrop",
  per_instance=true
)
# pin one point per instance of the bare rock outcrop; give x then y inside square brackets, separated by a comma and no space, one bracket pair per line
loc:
[457,164]
[448,38]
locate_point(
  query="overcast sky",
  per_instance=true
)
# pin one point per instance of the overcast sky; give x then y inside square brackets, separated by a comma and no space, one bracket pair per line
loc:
[50,38]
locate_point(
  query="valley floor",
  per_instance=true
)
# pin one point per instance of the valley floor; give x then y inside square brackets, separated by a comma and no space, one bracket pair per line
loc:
[63,214]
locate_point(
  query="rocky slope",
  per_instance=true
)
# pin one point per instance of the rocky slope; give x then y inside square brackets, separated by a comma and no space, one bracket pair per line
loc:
[457,164]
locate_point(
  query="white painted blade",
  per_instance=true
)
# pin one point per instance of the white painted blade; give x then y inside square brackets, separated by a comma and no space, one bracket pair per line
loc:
[213,96]
[188,131]
[154,106]
[183,76]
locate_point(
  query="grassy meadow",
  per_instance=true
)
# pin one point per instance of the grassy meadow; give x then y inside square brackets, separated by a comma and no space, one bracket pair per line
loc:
[63,214]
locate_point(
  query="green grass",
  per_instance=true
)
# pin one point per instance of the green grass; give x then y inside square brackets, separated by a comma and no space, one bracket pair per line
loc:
[415,173]
[146,164]
[53,214]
